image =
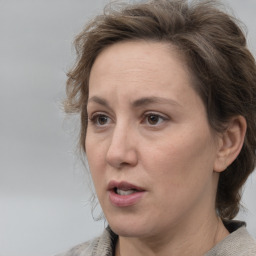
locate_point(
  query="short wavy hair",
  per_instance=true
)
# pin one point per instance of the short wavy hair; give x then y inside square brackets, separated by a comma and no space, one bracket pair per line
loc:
[214,46]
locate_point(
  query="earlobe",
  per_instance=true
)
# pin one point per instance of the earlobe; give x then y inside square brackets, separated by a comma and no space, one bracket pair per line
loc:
[230,143]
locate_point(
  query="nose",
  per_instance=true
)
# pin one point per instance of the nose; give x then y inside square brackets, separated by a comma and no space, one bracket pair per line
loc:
[122,149]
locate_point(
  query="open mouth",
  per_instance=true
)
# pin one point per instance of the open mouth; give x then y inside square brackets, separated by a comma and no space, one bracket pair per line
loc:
[125,192]
[123,188]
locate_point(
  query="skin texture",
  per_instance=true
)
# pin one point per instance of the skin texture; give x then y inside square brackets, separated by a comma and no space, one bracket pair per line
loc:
[148,126]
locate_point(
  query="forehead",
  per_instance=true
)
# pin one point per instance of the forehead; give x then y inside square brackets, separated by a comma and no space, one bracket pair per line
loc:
[140,50]
[136,61]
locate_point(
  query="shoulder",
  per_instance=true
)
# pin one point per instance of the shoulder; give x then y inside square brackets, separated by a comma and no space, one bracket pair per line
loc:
[242,243]
[99,246]
[78,250]
[238,243]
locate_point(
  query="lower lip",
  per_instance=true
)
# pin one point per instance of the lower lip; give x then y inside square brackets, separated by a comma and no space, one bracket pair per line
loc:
[124,201]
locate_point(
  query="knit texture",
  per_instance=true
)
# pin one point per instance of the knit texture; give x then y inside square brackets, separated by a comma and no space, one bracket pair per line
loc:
[238,243]
[100,246]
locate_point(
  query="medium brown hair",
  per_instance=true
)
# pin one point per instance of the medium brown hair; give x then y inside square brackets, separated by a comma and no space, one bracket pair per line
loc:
[215,50]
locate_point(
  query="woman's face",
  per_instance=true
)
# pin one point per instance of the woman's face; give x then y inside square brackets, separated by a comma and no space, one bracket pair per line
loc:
[150,149]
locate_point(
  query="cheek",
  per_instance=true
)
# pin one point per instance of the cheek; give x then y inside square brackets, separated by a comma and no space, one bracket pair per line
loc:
[95,158]
[95,149]
[180,174]
[181,160]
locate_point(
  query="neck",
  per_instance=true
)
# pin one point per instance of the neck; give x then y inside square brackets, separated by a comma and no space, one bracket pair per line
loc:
[190,240]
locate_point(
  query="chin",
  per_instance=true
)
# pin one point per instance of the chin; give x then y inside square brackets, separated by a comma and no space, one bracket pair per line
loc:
[127,230]
[129,226]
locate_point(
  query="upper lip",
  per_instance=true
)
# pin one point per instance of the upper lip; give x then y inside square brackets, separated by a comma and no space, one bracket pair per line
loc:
[123,185]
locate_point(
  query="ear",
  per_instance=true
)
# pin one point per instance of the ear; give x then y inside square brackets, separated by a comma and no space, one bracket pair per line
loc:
[230,143]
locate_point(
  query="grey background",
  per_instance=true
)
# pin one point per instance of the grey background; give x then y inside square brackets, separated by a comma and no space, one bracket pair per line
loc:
[44,206]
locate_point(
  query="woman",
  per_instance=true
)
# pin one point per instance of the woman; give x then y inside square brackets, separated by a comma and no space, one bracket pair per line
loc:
[166,92]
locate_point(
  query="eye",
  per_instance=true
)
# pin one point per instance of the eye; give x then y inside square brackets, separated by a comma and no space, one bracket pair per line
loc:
[100,120]
[154,119]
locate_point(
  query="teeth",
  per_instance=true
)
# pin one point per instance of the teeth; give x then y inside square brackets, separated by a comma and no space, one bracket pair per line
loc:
[124,192]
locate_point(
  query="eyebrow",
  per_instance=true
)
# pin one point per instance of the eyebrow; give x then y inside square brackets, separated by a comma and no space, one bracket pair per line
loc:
[151,100]
[137,103]
[99,100]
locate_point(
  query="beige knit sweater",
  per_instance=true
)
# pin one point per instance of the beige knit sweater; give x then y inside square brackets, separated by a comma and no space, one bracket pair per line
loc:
[238,243]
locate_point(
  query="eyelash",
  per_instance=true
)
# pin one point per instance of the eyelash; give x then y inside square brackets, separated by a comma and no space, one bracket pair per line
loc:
[147,115]
[95,119]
